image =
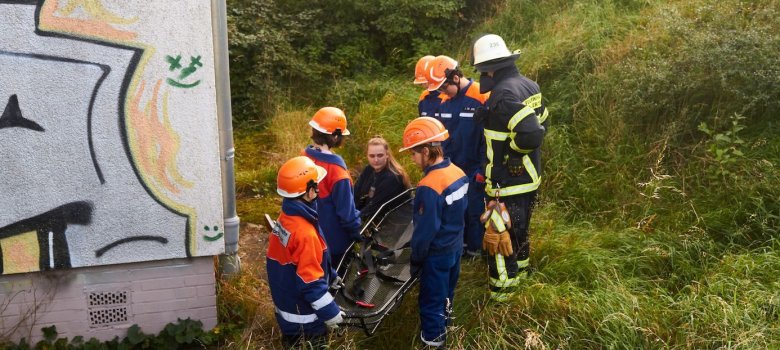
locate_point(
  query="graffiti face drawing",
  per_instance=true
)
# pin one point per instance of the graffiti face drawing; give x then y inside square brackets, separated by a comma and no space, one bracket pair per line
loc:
[185,72]
[70,193]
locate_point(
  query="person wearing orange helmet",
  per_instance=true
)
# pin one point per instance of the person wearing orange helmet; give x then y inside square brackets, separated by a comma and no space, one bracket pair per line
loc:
[298,261]
[514,120]
[339,219]
[437,241]
[429,101]
[466,145]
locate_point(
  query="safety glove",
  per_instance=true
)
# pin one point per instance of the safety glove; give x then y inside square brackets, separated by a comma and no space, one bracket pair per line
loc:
[488,210]
[504,244]
[334,322]
[490,240]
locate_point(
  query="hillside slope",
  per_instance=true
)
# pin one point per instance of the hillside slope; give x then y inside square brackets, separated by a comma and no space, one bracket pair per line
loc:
[658,224]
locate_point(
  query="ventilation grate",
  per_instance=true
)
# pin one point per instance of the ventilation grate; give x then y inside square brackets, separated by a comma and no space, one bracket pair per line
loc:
[108,308]
[107,298]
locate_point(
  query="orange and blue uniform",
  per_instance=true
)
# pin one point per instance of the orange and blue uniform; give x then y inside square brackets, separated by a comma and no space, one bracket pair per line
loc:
[429,102]
[466,149]
[437,242]
[339,219]
[299,272]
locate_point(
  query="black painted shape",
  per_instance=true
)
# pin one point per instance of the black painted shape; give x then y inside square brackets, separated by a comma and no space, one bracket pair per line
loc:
[112,245]
[55,221]
[12,117]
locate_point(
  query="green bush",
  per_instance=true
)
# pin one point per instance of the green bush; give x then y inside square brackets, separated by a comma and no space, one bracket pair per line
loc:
[291,51]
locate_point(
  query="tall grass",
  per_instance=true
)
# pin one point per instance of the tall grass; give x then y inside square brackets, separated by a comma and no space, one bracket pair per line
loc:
[650,232]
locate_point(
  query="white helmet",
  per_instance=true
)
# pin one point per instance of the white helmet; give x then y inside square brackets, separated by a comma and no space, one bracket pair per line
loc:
[490,53]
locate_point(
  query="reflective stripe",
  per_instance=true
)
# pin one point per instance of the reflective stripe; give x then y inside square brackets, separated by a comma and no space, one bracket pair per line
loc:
[490,136]
[534,101]
[498,222]
[521,264]
[517,189]
[501,267]
[295,318]
[445,115]
[503,280]
[458,194]
[511,282]
[322,301]
[467,115]
[519,116]
[496,135]
[514,146]
[431,343]
[496,296]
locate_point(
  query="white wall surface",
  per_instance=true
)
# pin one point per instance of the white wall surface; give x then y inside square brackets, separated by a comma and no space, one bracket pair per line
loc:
[109,145]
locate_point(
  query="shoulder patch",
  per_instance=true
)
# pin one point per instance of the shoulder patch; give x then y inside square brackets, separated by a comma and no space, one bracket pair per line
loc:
[278,230]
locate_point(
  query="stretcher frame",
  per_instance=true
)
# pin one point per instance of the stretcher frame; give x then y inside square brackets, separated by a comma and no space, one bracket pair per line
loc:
[370,318]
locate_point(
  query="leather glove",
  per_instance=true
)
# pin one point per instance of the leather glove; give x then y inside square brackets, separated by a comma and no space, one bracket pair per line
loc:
[504,244]
[488,210]
[490,240]
[333,323]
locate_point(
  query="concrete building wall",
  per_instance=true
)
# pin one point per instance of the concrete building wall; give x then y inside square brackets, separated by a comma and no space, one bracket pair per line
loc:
[104,301]
[110,182]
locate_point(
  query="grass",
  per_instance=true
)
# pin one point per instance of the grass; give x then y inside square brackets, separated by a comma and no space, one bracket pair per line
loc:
[644,237]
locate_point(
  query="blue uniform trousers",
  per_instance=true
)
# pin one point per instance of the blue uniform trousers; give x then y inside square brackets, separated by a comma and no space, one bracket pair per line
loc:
[437,289]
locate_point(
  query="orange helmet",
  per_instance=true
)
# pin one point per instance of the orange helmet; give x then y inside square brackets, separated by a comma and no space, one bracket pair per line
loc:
[329,119]
[421,68]
[296,175]
[439,71]
[423,130]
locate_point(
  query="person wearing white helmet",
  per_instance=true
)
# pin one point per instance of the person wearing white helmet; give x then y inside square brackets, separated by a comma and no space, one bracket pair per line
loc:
[514,120]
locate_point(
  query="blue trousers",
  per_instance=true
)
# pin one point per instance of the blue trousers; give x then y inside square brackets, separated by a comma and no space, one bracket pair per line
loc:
[437,289]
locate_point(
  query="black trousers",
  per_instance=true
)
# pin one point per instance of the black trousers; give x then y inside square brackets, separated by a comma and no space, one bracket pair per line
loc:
[507,271]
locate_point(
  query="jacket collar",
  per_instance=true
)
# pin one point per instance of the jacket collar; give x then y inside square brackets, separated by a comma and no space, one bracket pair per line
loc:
[315,153]
[299,207]
[441,165]
[506,72]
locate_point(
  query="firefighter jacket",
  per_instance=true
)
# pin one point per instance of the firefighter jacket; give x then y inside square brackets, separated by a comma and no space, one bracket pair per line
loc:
[429,103]
[513,135]
[339,220]
[439,207]
[299,271]
[466,145]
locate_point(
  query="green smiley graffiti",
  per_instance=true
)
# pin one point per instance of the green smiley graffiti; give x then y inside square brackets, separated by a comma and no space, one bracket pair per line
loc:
[212,238]
[175,64]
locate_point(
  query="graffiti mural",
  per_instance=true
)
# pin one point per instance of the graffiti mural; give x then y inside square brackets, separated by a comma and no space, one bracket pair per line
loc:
[109,146]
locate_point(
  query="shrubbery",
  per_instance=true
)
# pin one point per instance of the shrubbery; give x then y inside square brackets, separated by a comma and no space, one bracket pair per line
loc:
[293,50]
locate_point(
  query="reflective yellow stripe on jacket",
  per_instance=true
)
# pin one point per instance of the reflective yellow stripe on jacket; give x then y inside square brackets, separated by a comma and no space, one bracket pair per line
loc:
[535,102]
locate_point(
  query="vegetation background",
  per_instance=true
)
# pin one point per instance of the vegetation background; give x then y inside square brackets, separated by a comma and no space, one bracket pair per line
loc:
[659,213]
